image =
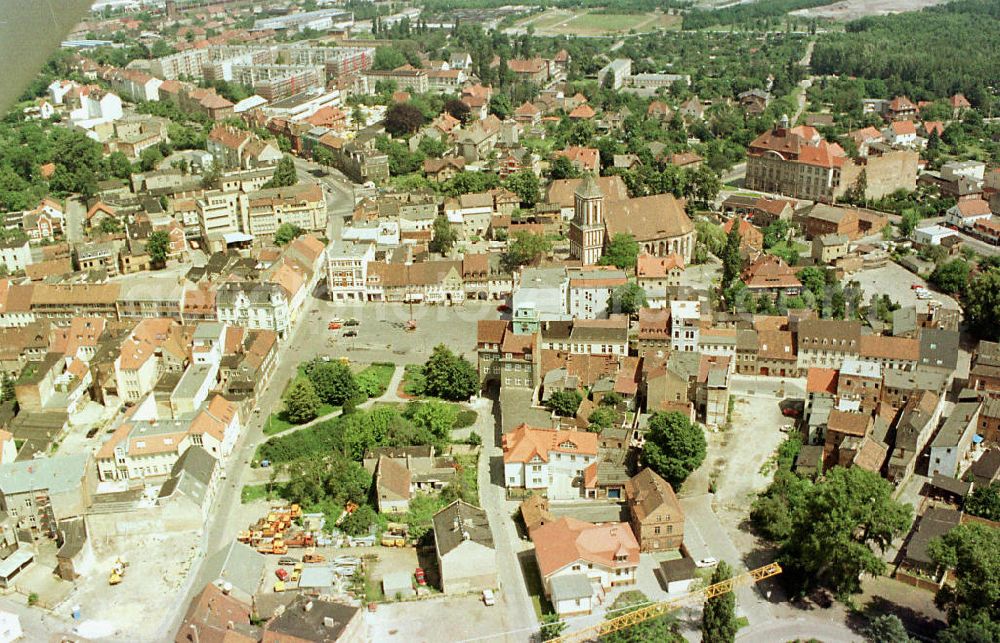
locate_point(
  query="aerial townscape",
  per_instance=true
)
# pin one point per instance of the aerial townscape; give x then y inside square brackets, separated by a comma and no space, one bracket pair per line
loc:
[455,320]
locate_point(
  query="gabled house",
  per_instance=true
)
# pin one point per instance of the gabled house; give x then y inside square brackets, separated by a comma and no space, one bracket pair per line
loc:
[548,461]
[655,515]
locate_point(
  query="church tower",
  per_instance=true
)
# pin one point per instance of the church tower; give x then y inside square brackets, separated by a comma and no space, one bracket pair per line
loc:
[586,231]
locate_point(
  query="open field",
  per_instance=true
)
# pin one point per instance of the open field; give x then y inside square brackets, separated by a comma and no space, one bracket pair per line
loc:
[561,22]
[853,9]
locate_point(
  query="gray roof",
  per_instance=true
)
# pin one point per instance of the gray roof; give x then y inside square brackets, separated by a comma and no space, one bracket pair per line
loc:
[191,475]
[570,587]
[317,576]
[939,348]
[74,536]
[951,485]
[904,320]
[237,564]
[963,418]
[58,474]
[935,523]
[459,522]
[678,569]
[323,621]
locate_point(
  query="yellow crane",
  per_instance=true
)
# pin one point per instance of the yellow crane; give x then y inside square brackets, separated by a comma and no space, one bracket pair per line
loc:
[595,632]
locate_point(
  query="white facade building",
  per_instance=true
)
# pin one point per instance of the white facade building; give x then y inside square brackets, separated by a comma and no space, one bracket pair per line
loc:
[685,317]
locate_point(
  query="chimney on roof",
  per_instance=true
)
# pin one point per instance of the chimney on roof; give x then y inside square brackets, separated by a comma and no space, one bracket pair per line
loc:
[329,622]
[308,606]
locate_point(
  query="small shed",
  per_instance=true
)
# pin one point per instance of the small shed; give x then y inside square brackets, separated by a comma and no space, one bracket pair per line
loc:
[398,584]
[678,574]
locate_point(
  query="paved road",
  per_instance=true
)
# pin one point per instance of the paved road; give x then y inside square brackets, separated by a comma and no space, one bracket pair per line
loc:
[221,527]
[76,211]
[799,629]
[705,536]
[520,622]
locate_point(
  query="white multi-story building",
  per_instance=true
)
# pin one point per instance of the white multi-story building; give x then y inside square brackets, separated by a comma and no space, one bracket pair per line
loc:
[548,460]
[146,446]
[347,270]
[543,291]
[579,561]
[685,320]
[253,305]
[590,291]
[950,448]
[302,205]
[15,255]
[219,213]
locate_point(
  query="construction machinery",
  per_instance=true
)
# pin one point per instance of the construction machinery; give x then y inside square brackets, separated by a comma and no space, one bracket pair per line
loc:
[312,557]
[117,572]
[595,632]
[274,546]
[395,534]
[300,539]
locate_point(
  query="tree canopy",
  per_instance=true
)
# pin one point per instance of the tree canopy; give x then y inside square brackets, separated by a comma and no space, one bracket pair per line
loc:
[449,376]
[718,619]
[564,403]
[284,174]
[984,501]
[674,446]
[333,381]
[286,233]
[524,248]
[301,402]
[443,236]
[157,246]
[621,251]
[403,119]
[627,298]
[834,527]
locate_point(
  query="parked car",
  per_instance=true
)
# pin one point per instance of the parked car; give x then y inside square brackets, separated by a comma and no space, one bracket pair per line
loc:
[420,576]
[352,322]
[503,308]
[790,412]
[706,562]
[281,573]
[488,598]
[287,561]
[334,325]
[351,333]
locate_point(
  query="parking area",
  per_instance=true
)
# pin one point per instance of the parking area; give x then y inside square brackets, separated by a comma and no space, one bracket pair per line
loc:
[897,281]
[381,334]
[455,618]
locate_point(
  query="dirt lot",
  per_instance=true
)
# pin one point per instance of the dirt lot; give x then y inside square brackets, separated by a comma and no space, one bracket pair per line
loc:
[897,282]
[157,569]
[851,9]
[561,22]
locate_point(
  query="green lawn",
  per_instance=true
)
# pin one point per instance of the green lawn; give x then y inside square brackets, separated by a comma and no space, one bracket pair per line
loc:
[533,580]
[374,379]
[741,622]
[253,492]
[413,380]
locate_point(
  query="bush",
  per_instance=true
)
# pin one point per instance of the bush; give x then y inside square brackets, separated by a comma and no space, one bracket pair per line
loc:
[465,417]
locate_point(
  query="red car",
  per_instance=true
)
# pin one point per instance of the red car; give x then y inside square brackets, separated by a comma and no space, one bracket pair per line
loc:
[503,308]
[790,412]
[334,326]
[421,577]
[281,573]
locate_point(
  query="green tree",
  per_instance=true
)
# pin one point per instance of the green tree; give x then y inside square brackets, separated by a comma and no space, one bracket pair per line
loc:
[705,184]
[526,186]
[984,501]
[972,551]
[359,522]
[627,298]
[443,236]
[432,147]
[662,629]
[603,417]
[887,628]
[301,402]
[157,245]
[437,417]
[524,248]
[449,376]
[835,528]
[982,304]
[564,403]
[732,262]
[909,222]
[813,279]
[552,627]
[333,382]
[284,174]
[457,109]
[562,168]
[977,628]
[622,251]
[951,277]
[500,105]
[286,233]
[387,58]
[674,446]
[718,619]
[775,233]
